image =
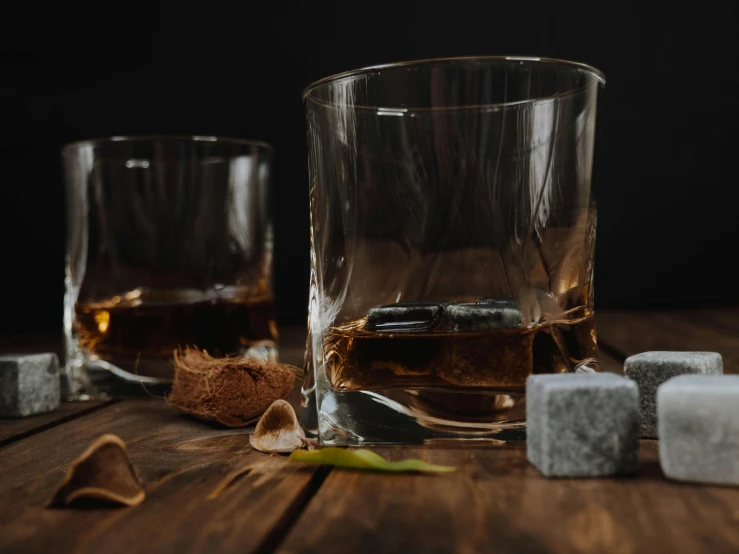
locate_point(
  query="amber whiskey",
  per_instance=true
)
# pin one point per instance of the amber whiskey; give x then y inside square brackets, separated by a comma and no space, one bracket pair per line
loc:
[140,336]
[494,360]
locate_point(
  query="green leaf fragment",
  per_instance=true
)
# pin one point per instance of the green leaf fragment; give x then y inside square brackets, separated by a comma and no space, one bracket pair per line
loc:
[362,459]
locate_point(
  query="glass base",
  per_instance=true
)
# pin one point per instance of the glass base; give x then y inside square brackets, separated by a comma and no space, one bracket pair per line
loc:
[415,417]
[90,377]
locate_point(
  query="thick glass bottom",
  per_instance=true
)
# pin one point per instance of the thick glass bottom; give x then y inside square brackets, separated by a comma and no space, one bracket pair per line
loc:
[434,386]
[136,375]
[416,417]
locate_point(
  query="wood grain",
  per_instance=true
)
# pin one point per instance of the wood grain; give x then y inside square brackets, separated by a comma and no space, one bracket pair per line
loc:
[182,462]
[627,333]
[12,430]
[497,502]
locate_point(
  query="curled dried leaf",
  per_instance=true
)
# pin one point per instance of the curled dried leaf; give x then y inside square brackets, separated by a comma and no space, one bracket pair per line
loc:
[278,430]
[232,391]
[363,459]
[103,472]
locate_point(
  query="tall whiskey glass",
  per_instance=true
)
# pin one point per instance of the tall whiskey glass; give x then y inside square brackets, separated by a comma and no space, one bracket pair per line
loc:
[452,237]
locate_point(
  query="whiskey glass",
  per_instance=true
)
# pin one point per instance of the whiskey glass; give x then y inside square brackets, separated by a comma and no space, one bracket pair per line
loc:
[169,244]
[452,240]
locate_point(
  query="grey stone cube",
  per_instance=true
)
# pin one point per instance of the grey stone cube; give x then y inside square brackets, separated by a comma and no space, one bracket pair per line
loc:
[498,301]
[582,425]
[491,314]
[405,317]
[29,384]
[699,428]
[650,369]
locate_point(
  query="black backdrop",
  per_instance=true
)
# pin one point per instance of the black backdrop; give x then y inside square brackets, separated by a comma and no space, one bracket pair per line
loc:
[666,148]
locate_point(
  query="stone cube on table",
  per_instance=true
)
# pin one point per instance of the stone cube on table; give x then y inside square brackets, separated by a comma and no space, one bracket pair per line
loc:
[29,384]
[699,428]
[582,425]
[650,369]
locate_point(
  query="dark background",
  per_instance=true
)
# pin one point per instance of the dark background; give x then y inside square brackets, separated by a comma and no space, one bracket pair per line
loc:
[666,149]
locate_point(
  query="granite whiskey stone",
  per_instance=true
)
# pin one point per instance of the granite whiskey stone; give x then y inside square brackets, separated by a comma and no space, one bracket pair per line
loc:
[499,302]
[650,369]
[405,317]
[582,425]
[29,384]
[699,428]
[483,316]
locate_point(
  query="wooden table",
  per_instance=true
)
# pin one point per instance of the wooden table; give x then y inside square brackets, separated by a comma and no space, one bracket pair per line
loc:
[495,502]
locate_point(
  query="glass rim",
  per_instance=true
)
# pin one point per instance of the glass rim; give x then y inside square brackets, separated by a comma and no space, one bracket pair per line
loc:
[600,77]
[182,138]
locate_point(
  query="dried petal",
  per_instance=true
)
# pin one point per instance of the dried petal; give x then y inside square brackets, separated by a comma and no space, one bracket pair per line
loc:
[278,430]
[363,459]
[102,472]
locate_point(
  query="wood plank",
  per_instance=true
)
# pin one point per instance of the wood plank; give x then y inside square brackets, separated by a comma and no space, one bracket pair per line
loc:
[497,502]
[292,345]
[609,363]
[182,462]
[725,320]
[627,333]
[12,430]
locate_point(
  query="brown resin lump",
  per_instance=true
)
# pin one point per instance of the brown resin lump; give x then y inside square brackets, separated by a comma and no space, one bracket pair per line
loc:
[232,391]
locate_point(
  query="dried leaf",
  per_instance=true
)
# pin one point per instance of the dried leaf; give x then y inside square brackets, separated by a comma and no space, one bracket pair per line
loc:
[363,459]
[278,430]
[102,472]
[232,391]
